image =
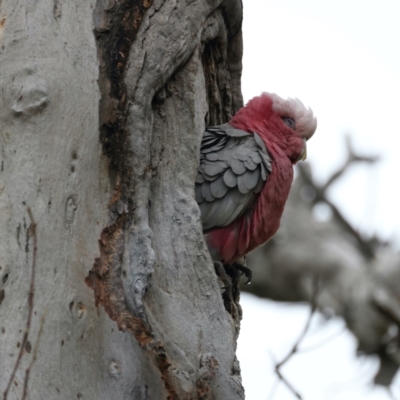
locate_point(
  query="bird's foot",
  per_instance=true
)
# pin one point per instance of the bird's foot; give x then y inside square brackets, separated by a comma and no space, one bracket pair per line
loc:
[247,272]
[231,280]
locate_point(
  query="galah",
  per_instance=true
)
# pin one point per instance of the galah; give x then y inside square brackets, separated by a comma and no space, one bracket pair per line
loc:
[246,171]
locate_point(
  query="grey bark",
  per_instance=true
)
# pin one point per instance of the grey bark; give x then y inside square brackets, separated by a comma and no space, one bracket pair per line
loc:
[103,105]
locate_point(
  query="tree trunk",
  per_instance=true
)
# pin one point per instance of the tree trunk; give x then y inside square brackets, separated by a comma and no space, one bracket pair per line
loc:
[107,290]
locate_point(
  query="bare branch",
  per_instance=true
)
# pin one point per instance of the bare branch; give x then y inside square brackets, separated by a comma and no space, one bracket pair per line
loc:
[323,342]
[320,196]
[390,394]
[295,348]
[352,157]
[386,304]
[363,244]
[274,389]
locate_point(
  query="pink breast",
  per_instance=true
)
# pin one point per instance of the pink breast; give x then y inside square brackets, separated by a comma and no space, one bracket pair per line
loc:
[231,242]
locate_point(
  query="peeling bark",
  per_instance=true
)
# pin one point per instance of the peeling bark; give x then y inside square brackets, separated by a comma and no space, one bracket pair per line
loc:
[101,140]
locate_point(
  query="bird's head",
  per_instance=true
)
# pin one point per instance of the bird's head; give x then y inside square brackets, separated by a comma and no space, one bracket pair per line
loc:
[287,124]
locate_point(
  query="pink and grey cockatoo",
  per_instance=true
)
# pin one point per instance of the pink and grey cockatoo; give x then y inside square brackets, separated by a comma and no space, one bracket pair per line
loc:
[246,171]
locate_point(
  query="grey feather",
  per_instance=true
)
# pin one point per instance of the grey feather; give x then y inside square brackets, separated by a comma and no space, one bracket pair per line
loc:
[260,142]
[231,131]
[237,197]
[259,186]
[197,192]
[214,147]
[212,156]
[237,133]
[206,192]
[218,187]
[251,178]
[256,158]
[226,213]
[210,178]
[209,213]
[263,172]
[242,184]
[220,213]
[214,168]
[199,177]
[267,161]
[234,167]
[237,166]
[249,164]
[230,178]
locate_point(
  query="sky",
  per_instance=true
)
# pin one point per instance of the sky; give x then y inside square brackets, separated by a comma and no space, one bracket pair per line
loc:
[341,58]
[325,367]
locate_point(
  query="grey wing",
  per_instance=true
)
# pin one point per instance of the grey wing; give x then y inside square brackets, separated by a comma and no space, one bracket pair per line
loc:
[234,166]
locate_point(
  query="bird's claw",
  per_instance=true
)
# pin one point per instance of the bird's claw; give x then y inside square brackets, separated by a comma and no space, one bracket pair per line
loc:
[230,276]
[248,273]
[230,294]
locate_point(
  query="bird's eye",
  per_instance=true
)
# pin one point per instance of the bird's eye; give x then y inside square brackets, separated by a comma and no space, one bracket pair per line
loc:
[289,122]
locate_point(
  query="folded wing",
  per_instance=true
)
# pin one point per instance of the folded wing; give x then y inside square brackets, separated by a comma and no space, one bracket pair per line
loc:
[234,167]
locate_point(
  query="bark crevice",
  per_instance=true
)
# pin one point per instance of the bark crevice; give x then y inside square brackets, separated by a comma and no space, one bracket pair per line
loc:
[151,70]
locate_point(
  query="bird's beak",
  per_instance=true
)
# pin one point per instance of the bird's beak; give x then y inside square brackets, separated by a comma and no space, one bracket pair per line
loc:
[303,154]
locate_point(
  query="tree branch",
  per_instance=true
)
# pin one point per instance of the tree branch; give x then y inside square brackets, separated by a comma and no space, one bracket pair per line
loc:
[352,157]
[320,196]
[295,348]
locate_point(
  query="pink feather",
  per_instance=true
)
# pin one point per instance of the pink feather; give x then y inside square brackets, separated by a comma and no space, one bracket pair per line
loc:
[258,225]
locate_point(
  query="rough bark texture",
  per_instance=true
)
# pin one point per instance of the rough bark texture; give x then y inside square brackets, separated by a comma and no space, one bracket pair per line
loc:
[358,277]
[102,106]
